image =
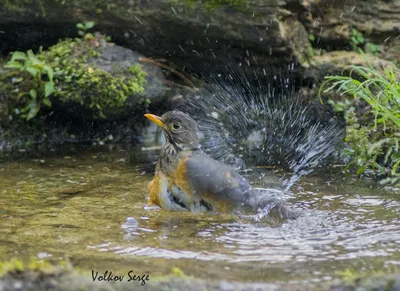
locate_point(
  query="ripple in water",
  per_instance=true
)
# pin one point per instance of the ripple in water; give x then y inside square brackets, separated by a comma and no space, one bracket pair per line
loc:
[353,228]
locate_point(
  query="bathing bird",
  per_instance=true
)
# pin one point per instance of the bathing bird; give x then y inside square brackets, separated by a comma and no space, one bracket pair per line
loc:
[186,179]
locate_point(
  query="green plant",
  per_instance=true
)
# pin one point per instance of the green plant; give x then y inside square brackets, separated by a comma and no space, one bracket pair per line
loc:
[38,76]
[359,44]
[83,31]
[357,40]
[71,64]
[83,28]
[372,48]
[373,134]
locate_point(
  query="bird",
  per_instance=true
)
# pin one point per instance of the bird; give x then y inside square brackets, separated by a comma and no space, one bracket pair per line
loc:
[188,180]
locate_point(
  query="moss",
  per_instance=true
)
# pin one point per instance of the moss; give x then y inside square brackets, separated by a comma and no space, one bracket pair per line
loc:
[368,280]
[178,272]
[76,77]
[241,5]
[83,83]
[15,266]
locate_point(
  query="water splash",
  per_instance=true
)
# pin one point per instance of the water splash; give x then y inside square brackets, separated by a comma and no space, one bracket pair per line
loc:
[262,122]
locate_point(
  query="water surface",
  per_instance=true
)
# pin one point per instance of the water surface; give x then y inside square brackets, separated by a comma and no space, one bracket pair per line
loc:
[76,207]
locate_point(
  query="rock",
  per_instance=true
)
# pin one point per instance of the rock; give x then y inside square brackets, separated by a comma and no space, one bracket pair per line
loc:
[196,36]
[51,277]
[116,61]
[331,21]
[204,36]
[371,283]
[92,78]
[117,55]
[337,61]
[392,51]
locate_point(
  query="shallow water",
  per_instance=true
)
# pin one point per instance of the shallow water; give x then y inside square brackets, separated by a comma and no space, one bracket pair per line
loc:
[76,207]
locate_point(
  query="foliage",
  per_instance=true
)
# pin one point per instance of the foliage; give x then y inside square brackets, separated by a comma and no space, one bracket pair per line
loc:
[360,45]
[373,135]
[66,73]
[36,76]
[83,28]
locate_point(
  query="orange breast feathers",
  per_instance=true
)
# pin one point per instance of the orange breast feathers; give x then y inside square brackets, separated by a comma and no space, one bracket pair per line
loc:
[180,178]
[155,190]
[161,183]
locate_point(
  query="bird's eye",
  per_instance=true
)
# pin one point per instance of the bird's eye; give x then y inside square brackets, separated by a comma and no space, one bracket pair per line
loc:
[175,126]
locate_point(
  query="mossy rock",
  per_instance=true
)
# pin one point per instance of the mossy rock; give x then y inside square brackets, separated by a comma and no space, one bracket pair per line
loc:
[114,84]
[336,62]
[93,79]
[96,84]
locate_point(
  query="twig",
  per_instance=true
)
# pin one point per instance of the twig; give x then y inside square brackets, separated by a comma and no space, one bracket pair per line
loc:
[170,83]
[172,70]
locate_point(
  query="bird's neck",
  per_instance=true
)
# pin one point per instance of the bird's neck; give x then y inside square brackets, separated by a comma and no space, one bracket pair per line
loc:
[175,150]
[171,155]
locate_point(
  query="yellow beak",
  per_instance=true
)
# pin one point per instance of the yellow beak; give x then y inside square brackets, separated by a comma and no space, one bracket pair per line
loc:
[156,120]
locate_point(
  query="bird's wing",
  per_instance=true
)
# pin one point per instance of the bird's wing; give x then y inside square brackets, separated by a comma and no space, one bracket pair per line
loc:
[213,180]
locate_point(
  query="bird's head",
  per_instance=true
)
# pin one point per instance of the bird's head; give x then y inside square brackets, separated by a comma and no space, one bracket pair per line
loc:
[179,128]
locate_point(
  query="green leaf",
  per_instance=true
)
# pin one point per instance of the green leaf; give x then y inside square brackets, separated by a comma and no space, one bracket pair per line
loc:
[13,65]
[49,71]
[17,80]
[348,152]
[395,167]
[33,58]
[33,110]
[80,26]
[33,94]
[33,71]
[47,102]
[89,24]
[30,54]
[48,88]
[25,109]
[18,56]
[361,169]
[81,33]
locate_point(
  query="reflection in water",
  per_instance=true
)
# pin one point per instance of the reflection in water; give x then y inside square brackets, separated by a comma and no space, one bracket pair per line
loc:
[93,208]
[131,228]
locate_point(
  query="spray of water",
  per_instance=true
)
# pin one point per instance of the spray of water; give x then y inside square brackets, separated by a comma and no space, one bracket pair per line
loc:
[262,121]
